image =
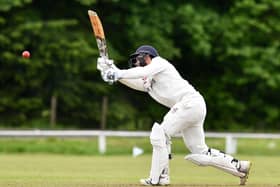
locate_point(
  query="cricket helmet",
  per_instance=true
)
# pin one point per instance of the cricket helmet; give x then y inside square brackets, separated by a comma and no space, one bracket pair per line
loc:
[141,52]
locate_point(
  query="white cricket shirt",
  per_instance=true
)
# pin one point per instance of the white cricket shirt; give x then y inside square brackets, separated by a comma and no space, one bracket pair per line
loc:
[161,80]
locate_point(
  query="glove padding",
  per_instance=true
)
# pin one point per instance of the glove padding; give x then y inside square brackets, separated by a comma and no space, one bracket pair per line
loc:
[110,75]
[108,69]
[104,63]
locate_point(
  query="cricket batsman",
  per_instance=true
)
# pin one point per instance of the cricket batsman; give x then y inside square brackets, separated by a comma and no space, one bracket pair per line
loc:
[153,74]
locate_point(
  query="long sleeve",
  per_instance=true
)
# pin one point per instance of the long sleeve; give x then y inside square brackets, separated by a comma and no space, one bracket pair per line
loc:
[136,84]
[140,72]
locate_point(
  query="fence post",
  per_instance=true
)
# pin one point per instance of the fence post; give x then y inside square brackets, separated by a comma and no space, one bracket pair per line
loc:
[102,143]
[231,145]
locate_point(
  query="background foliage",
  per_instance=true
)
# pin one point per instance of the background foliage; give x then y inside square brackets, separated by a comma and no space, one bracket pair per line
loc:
[229,50]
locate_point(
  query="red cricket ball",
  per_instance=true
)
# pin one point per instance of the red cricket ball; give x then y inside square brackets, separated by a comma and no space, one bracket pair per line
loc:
[25,54]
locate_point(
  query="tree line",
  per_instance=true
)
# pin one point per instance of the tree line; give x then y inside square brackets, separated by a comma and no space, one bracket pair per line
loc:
[229,50]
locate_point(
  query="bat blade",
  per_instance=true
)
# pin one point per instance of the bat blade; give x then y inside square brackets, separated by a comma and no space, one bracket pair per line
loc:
[98,33]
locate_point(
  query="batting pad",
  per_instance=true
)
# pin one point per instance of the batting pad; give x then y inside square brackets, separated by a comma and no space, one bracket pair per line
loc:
[160,153]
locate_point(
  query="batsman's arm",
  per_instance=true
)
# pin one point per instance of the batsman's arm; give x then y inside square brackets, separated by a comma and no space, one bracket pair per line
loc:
[140,72]
[136,84]
[102,65]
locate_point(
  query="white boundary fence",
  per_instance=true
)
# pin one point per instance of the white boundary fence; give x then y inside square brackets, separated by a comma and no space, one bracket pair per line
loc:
[230,138]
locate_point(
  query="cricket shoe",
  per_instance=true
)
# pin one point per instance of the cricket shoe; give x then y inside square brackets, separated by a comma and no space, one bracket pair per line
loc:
[163,181]
[244,167]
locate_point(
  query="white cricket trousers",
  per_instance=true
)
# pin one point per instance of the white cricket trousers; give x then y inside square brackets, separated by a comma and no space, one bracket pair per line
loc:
[187,117]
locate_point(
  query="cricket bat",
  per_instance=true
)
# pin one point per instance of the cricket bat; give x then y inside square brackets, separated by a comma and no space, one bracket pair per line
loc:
[98,33]
[101,43]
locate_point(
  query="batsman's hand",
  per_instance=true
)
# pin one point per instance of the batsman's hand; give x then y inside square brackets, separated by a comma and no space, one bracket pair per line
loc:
[104,63]
[110,75]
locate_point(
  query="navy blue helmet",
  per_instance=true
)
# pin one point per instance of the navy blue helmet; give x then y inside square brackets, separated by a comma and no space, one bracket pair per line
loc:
[140,53]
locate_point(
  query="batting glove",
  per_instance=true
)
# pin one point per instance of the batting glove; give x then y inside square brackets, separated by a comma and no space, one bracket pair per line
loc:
[110,75]
[104,63]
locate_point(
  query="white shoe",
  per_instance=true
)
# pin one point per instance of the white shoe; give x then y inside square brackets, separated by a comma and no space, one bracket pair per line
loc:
[163,181]
[244,167]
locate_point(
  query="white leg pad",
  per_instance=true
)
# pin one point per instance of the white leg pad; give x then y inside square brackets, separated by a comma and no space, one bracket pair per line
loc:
[223,162]
[160,153]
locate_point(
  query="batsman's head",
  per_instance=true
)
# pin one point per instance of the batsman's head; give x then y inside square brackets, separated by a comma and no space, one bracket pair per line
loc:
[142,56]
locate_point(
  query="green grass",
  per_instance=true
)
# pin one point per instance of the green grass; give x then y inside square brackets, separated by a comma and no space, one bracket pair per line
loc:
[123,146]
[58,162]
[48,170]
